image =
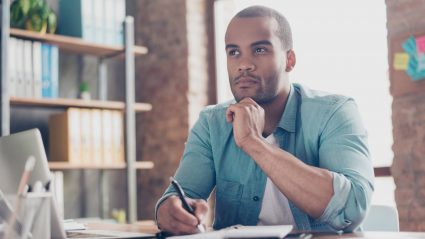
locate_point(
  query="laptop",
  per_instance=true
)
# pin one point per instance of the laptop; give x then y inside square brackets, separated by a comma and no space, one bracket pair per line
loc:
[14,151]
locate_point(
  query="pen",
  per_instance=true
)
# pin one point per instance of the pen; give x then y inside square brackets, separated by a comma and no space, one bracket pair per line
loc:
[186,205]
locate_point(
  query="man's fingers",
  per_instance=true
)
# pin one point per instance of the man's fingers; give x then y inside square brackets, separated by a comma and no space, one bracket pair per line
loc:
[229,114]
[172,217]
[180,227]
[248,100]
[185,217]
[201,209]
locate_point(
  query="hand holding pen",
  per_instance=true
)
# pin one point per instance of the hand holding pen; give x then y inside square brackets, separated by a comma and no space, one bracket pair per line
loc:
[174,217]
[186,205]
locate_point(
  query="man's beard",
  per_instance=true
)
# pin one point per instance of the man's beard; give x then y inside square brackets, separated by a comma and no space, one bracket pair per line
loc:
[263,95]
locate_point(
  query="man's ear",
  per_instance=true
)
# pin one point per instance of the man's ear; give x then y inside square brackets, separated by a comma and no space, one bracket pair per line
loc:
[290,60]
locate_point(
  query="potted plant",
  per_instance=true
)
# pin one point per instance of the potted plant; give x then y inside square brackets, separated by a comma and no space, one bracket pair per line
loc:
[33,15]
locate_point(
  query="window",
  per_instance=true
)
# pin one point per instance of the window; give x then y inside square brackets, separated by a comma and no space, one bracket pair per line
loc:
[341,47]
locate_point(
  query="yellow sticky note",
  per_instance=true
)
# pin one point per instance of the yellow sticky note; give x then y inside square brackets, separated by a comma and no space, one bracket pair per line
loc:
[401,61]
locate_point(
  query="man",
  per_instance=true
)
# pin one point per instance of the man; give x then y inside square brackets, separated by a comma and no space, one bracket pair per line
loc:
[280,153]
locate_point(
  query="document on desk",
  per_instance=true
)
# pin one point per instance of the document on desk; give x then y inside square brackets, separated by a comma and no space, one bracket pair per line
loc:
[279,231]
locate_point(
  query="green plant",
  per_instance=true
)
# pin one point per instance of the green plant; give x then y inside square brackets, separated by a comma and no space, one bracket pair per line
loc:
[34,15]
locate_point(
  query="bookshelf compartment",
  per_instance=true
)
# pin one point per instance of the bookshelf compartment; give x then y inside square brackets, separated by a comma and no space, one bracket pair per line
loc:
[76,45]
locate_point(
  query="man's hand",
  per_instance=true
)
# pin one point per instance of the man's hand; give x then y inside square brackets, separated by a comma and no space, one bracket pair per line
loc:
[248,120]
[172,217]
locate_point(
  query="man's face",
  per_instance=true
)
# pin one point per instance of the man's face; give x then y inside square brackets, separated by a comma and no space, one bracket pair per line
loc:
[256,60]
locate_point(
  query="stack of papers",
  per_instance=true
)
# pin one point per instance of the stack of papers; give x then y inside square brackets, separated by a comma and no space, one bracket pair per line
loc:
[71,225]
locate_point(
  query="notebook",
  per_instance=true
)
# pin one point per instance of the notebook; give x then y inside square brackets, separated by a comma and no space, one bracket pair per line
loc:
[14,151]
[278,231]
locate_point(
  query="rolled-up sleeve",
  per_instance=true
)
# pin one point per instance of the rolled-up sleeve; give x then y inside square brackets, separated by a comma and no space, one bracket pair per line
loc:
[343,150]
[196,173]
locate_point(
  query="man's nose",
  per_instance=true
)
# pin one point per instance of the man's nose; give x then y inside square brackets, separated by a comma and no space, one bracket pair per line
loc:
[246,65]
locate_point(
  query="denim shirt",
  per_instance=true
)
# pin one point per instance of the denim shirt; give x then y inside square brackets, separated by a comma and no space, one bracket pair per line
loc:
[320,129]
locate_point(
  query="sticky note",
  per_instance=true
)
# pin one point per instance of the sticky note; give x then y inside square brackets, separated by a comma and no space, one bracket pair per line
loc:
[409,46]
[420,44]
[401,61]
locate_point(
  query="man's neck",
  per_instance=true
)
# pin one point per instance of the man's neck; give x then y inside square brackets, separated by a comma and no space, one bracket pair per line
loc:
[273,111]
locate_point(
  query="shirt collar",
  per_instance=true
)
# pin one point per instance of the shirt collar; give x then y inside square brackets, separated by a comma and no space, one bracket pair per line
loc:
[289,116]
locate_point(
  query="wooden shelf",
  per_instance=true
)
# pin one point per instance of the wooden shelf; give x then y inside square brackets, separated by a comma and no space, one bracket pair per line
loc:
[65,103]
[75,45]
[68,166]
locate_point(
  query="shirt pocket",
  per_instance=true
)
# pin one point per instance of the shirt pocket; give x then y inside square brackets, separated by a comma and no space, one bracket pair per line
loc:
[229,194]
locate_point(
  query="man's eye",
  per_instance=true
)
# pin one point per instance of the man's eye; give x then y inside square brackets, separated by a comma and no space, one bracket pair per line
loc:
[259,50]
[233,53]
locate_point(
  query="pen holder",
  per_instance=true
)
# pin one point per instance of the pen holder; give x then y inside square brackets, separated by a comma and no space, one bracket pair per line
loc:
[33,218]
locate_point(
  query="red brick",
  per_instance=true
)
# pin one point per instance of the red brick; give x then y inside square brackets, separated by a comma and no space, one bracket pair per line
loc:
[408,226]
[404,196]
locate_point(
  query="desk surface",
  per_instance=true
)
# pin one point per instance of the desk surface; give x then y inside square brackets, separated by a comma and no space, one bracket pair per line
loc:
[150,228]
[375,235]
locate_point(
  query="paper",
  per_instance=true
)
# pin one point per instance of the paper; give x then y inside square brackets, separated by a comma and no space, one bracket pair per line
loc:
[409,46]
[279,231]
[70,225]
[420,44]
[401,61]
[420,48]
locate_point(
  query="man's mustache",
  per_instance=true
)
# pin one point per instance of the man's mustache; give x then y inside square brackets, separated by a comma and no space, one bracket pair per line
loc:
[246,76]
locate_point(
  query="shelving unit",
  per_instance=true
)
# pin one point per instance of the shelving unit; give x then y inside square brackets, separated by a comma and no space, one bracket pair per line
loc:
[129,107]
[66,166]
[65,103]
[76,45]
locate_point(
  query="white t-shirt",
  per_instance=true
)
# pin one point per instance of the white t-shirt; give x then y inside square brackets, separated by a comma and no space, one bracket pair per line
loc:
[275,207]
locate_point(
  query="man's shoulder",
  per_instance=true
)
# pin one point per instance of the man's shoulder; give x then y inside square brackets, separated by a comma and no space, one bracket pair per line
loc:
[316,100]
[216,110]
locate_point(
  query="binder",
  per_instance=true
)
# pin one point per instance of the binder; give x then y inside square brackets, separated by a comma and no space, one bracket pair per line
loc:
[45,71]
[85,132]
[37,69]
[118,136]
[19,68]
[96,136]
[54,71]
[108,150]
[65,136]
[12,55]
[77,19]
[27,68]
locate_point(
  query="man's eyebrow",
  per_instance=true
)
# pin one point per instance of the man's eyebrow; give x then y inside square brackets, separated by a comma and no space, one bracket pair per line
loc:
[231,46]
[262,42]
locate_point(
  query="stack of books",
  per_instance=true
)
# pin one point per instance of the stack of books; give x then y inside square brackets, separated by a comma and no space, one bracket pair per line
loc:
[97,21]
[87,136]
[33,69]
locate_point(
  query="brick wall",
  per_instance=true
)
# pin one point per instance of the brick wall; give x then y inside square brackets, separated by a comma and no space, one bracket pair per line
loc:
[406,18]
[174,77]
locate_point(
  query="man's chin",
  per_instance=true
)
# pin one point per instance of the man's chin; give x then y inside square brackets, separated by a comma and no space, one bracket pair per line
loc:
[238,99]
[259,100]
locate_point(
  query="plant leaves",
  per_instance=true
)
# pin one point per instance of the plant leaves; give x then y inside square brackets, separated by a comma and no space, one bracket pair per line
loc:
[25,5]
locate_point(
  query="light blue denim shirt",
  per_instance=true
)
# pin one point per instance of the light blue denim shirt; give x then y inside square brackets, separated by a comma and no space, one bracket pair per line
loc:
[320,129]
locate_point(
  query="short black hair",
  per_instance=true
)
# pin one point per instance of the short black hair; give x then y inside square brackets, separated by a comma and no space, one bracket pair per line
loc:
[284,29]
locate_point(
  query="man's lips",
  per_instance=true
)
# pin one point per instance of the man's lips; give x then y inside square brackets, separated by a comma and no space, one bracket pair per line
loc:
[245,81]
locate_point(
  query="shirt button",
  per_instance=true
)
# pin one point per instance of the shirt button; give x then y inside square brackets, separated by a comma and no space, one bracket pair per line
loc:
[256,198]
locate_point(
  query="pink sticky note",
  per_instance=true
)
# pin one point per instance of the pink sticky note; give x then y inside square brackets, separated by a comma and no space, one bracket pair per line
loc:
[420,44]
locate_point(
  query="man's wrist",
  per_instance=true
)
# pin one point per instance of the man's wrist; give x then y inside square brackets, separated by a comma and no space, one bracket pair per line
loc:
[159,204]
[252,144]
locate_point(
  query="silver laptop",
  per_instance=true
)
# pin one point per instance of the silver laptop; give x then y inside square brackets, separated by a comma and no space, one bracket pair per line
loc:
[14,151]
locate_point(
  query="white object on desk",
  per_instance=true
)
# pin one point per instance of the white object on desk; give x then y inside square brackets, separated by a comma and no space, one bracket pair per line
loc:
[71,225]
[279,231]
